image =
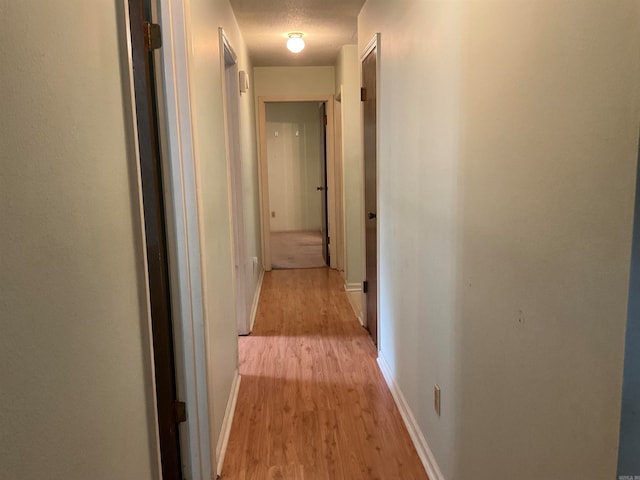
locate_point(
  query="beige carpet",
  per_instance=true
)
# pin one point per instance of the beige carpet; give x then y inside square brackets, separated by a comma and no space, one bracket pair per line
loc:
[296,250]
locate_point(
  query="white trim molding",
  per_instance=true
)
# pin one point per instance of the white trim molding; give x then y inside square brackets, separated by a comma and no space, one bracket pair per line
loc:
[184,232]
[227,421]
[353,287]
[356,299]
[256,300]
[373,43]
[422,447]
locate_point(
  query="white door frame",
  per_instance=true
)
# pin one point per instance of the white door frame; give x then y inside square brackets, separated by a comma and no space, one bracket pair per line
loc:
[230,102]
[265,218]
[183,204]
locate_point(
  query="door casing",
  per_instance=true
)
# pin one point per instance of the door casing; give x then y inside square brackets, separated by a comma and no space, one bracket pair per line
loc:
[230,100]
[155,233]
[181,175]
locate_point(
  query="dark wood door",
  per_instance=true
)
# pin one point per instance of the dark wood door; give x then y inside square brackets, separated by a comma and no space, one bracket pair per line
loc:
[370,189]
[156,243]
[324,228]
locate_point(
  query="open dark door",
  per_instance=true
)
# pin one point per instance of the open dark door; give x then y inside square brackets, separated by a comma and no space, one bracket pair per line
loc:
[370,286]
[144,38]
[324,229]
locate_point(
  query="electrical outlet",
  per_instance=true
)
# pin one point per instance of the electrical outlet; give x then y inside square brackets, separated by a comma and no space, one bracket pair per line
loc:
[436,399]
[273,214]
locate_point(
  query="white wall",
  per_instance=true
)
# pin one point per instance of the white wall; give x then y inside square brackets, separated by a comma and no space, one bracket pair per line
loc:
[508,142]
[74,350]
[294,165]
[348,83]
[210,157]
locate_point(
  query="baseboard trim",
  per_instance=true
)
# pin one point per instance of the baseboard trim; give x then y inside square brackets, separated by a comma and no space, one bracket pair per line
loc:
[256,300]
[356,311]
[352,287]
[227,421]
[422,447]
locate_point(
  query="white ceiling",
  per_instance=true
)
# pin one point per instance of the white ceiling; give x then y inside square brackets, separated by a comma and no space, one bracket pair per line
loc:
[326,24]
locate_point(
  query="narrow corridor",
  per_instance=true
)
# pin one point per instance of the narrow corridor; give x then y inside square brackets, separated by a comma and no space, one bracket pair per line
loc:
[312,402]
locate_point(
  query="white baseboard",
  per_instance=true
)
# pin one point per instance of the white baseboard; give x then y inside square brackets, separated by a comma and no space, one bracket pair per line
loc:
[353,287]
[256,300]
[354,294]
[227,421]
[422,447]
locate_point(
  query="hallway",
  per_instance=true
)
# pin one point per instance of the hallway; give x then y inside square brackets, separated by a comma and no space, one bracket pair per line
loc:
[313,403]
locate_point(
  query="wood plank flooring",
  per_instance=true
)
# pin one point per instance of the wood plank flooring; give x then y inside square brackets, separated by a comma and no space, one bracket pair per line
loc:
[313,404]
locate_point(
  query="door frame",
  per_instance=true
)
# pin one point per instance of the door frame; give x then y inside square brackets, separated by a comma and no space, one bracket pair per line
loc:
[231,109]
[374,44]
[264,177]
[146,113]
[183,204]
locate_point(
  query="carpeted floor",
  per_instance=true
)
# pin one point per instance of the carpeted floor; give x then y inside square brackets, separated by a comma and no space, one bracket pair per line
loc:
[296,250]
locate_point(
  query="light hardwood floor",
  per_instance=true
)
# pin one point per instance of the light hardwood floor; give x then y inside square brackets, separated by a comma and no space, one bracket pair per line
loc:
[313,404]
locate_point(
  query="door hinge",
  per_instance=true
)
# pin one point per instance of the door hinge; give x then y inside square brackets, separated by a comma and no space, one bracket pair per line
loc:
[363,94]
[325,120]
[328,240]
[365,287]
[152,36]
[180,409]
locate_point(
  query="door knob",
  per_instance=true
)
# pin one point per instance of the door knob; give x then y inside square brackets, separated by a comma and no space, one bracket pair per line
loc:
[372,215]
[319,188]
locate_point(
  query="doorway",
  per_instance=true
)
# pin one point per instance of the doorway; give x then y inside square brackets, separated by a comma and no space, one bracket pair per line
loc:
[296,142]
[369,101]
[297,184]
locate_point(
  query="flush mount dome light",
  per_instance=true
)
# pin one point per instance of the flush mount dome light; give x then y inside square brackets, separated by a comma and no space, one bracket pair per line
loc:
[295,42]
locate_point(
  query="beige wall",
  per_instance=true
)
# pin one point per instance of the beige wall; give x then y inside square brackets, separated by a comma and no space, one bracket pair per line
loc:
[348,84]
[75,371]
[293,81]
[508,144]
[212,171]
[294,165]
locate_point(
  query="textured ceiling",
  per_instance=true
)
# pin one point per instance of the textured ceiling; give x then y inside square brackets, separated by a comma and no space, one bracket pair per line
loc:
[326,24]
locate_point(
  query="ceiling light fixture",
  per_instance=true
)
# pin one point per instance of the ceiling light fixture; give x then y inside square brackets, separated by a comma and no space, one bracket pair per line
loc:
[295,42]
